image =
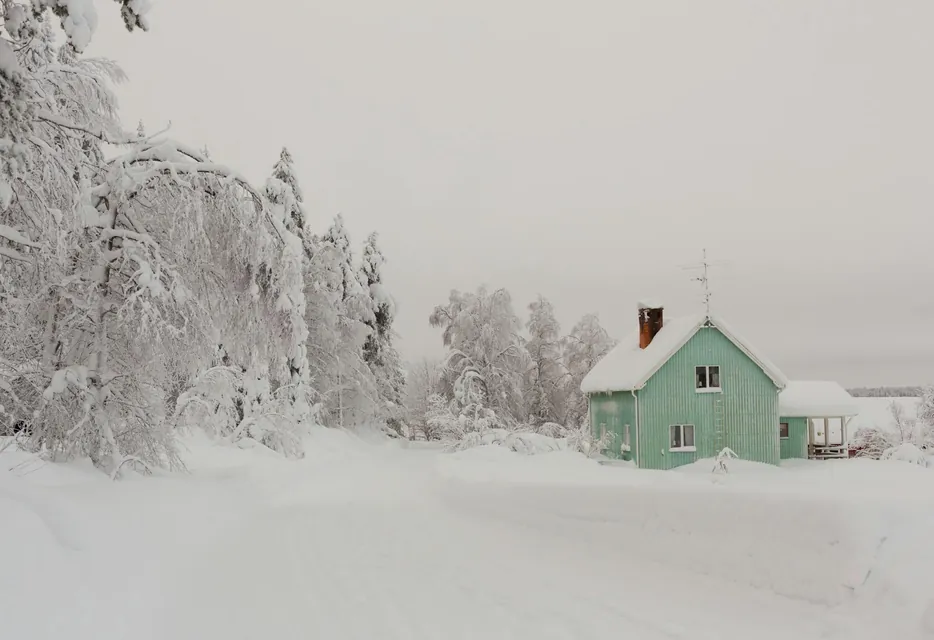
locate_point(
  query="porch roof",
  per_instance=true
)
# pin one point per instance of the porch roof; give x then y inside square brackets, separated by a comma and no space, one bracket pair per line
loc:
[816,399]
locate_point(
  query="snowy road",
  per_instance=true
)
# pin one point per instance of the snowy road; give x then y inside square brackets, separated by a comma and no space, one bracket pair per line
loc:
[434,558]
[378,542]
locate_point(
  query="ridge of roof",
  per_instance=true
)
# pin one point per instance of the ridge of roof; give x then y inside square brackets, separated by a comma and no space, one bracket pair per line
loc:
[627,367]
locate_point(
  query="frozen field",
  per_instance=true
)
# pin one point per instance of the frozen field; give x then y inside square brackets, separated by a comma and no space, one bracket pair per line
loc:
[373,540]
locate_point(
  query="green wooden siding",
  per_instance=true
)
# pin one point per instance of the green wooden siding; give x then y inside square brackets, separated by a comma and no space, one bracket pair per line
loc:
[749,405]
[614,410]
[796,444]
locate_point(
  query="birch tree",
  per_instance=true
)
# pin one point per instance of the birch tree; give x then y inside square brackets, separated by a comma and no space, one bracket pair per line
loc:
[544,390]
[486,357]
[586,344]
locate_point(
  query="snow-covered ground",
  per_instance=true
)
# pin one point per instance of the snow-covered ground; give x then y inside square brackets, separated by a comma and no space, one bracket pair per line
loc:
[377,540]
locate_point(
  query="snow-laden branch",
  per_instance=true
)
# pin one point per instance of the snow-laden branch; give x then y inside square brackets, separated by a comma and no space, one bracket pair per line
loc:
[168,157]
[94,132]
[14,255]
[16,237]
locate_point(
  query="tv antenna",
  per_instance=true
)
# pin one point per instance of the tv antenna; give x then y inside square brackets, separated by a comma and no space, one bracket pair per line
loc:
[704,277]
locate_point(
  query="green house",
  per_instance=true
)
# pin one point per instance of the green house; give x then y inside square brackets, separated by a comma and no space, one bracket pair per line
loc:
[678,391]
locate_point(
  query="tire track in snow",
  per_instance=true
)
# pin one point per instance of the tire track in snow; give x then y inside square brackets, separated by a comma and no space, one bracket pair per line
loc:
[371,571]
[421,558]
[607,554]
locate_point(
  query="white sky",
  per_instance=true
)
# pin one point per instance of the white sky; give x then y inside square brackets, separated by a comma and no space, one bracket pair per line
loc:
[587,150]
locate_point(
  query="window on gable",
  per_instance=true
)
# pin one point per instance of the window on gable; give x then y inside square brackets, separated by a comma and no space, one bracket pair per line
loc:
[682,437]
[707,378]
[783,430]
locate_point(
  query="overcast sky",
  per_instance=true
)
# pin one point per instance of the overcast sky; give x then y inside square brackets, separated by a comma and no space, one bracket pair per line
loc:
[587,150]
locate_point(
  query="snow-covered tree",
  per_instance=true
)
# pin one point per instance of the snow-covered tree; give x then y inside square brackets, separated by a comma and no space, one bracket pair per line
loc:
[440,423]
[340,311]
[284,197]
[284,172]
[378,350]
[583,348]
[486,359]
[926,417]
[78,17]
[156,289]
[544,393]
[422,381]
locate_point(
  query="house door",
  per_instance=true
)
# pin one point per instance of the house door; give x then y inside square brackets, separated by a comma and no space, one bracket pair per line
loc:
[609,427]
[826,432]
[816,432]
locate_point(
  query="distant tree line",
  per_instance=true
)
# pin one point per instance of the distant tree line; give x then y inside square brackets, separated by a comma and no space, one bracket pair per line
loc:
[885,392]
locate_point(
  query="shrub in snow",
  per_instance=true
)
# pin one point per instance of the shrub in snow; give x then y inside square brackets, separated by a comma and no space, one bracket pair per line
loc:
[552,430]
[232,403]
[528,440]
[457,419]
[722,464]
[583,441]
[873,441]
[524,442]
[926,417]
[906,452]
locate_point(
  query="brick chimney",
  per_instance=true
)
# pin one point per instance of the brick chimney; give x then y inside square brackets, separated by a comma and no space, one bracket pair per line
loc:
[650,322]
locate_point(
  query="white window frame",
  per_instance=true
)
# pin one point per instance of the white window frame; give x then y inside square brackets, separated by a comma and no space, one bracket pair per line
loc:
[681,427]
[708,389]
[780,436]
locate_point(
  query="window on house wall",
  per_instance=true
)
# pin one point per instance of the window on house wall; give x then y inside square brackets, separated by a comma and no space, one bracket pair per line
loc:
[707,378]
[626,445]
[783,430]
[682,437]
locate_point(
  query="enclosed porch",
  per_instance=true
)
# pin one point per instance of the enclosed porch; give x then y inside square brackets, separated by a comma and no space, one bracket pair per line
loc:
[814,419]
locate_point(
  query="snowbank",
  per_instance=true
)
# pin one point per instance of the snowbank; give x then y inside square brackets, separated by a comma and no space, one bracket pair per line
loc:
[907,452]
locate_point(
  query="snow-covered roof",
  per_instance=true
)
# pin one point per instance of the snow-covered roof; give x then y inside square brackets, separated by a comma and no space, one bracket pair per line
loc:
[816,399]
[628,367]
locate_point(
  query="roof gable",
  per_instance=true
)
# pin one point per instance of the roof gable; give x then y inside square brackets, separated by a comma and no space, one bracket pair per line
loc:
[627,367]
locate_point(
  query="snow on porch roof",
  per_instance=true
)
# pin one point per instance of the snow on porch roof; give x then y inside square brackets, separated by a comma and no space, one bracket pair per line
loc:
[628,367]
[816,399]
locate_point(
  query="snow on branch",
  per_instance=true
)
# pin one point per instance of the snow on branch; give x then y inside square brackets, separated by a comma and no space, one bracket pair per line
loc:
[14,255]
[167,157]
[98,133]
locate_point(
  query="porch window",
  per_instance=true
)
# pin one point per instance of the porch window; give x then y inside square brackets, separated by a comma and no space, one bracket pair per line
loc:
[783,430]
[682,437]
[707,378]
